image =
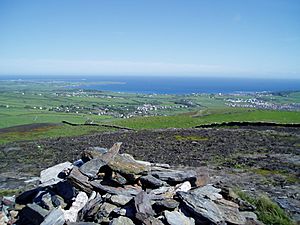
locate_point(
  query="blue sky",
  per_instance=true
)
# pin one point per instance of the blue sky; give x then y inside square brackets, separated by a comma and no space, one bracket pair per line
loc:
[244,38]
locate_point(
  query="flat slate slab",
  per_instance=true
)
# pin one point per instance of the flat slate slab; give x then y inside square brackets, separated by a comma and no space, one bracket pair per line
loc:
[143,206]
[56,216]
[208,191]
[150,181]
[176,176]
[175,218]
[92,167]
[111,153]
[127,190]
[120,200]
[78,180]
[127,166]
[201,207]
[49,176]
[33,214]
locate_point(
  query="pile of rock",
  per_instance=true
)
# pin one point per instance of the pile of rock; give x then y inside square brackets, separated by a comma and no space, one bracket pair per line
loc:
[106,187]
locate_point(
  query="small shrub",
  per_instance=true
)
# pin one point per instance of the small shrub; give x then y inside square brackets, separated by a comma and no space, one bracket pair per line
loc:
[267,211]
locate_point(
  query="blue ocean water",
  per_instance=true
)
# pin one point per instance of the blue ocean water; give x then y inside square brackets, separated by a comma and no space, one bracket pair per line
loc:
[188,85]
[176,85]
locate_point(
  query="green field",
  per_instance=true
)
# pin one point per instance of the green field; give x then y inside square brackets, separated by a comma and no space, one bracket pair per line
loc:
[218,116]
[24,102]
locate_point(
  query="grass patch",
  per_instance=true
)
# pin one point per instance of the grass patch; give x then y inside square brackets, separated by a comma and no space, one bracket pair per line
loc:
[190,138]
[218,116]
[267,211]
[290,178]
[9,192]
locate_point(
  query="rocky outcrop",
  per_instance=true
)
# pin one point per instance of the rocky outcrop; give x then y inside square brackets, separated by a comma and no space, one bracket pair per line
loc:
[106,187]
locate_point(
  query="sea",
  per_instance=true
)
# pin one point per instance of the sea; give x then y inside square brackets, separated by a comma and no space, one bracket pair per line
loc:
[172,85]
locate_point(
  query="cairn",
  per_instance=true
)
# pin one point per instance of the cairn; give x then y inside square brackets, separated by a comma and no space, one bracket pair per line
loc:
[106,187]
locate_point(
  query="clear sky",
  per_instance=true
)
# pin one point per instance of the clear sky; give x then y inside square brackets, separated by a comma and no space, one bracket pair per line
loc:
[246,38]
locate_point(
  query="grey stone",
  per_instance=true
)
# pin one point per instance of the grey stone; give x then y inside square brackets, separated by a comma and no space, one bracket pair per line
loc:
[82,223]
[153,221]
[118,179]
[9,201]
[65,190]
[201,207]
[152,182]
[56,216]
[98,149]
[208,191]
[228,193]
[128,210]
[111,153]
[162,165]
[78,180]
[253,222]
[143,206]
[143,162]
[175,218]
[92,167]
[244,205]
[49,176]
[291,205]
[105,210]
[32,214]
[119,211]
[127,190]
[120,200]
[160,169]
[175,177]
[78,163]
[89,211]
[60,200]
[100,153]
[93,195]
[249,215]
[165,204]
[44,200]
[28,196]
[106,197]
[230,212]
[121,221]
[127,167]
[162,190]
[48,200]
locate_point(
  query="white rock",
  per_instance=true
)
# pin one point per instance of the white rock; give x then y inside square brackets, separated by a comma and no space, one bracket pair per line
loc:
[185,186]
[3,218]
[77,205]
